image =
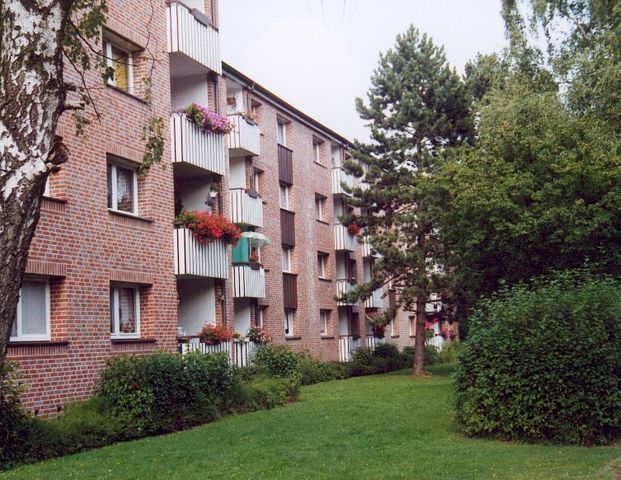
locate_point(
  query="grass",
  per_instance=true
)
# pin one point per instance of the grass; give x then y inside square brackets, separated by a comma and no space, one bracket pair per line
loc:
[380,427]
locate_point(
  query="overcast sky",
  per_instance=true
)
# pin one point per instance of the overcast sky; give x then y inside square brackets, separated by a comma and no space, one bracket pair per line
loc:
[319,54]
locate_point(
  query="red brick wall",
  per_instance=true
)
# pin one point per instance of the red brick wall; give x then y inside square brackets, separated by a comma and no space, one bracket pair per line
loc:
[95,246]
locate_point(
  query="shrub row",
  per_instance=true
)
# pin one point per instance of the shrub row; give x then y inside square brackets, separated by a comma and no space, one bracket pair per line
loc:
[135,397]
[543,362]
[165,392]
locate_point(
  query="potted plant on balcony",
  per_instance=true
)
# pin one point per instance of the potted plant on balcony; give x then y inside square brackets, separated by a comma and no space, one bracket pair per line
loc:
[353,229]
[249,117]
[258,335]
[207,120]
[214,334]
[207,227]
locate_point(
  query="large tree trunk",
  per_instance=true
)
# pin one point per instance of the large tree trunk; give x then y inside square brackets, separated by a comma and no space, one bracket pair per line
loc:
[32,97]
[418,369]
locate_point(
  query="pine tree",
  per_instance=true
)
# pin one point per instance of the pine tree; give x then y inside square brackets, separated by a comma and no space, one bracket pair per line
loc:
[416,107]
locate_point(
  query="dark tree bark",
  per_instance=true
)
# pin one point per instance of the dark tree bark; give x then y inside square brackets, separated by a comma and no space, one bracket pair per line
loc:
[32,98]
[418,367]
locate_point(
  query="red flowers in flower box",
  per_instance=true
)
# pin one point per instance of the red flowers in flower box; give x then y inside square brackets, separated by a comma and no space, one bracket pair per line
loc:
[353,229]
[214,334]
[208,227]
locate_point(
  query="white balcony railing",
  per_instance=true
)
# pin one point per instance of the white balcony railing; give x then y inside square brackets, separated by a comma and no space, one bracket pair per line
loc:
[193,147]
[375,300]
[239,353]
[246,209]
[190,33]
[343,287]
[343,240]
[248,282]
[367,249]
[198,259]
[346,349]
[244,139]
[339,177]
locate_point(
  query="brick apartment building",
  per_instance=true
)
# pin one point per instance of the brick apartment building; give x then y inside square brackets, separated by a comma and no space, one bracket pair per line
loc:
[110,273]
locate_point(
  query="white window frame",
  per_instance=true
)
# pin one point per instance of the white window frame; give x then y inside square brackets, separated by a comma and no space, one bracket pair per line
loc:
[281,133]
[392,328]
[110,63]
[285,197]
[324,322]
[287,255]
[115,310]
[289,322]
[21,337]
[260,317]
[322,265]
[320,207]
[256,175]
[114,194]
[317,151]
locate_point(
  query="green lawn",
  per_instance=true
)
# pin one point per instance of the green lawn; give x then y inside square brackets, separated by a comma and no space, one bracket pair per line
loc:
[378,427]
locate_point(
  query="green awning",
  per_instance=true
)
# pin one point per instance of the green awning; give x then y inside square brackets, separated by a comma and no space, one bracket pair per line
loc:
[256,238]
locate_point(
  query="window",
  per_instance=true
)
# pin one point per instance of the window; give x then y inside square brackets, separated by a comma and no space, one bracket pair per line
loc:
[320,207]
[289,320]
[121,64]
[122,189]
[285,197]
[324,322]
[281,133]
[124,311]
[33,311]
[286,259]
[256,181]
[412,322]
[393,330]
[259,320]
[317,151]
[322,265]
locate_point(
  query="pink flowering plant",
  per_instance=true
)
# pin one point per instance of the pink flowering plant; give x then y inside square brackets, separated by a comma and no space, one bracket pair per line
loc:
[207,121]
[258,335]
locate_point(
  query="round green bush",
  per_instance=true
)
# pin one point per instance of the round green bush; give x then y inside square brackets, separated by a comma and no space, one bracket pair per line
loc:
[278,359]
[543,362]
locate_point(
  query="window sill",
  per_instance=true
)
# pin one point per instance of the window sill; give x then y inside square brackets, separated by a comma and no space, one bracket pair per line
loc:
[287,209]
[54,199]
[326,280]
[322,221]
[35,343]
[327,337]
[394,336]
[319,163]
[129,215]
[293,337]
[127,94]
[133,340]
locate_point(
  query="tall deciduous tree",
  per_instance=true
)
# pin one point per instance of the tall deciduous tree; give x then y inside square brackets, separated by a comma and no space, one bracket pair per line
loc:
[416,107]
[36,37]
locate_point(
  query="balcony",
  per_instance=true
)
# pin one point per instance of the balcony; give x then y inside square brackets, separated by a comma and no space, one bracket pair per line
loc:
[193,151]
[343,240]
[339,177]
[375,300]
[343,287]
[244,139]
[285,165]
[193,43]
[246,209]
[195,259]
[368,250]
[248,281]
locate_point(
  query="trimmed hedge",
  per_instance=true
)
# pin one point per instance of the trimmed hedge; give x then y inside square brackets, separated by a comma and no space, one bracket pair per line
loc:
[543,362]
